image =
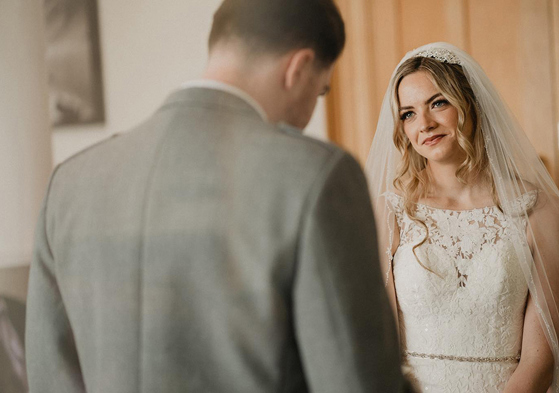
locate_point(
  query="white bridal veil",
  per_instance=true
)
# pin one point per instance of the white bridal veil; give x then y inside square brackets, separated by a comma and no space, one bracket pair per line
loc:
[516,170]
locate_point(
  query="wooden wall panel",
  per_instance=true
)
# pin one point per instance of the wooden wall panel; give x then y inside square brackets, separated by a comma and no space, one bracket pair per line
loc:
[537,68]
[554,12]
[458,17]
[425,21]
[495,44]
[352,104]
[386,49]
[514,48]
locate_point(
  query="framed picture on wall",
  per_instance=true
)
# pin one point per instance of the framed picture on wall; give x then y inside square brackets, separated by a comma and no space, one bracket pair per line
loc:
[74,62]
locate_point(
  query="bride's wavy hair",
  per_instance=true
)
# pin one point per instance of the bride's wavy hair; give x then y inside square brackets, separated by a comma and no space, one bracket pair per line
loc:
[412,180]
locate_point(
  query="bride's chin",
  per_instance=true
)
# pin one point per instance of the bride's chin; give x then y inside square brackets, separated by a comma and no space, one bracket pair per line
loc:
[441,157]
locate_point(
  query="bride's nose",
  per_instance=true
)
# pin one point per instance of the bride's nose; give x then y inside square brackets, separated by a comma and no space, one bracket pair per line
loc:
[426,122]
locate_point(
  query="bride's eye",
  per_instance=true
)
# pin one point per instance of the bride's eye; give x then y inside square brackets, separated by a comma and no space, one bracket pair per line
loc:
[440,103]
[406,115]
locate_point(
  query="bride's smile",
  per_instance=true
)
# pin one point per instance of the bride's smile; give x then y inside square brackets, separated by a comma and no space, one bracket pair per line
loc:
[433,140]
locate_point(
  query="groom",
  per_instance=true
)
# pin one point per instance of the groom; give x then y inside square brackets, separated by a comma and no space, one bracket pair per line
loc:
[214,248]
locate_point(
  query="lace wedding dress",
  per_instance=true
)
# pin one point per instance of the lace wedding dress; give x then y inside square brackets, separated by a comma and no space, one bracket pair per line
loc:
[461,326]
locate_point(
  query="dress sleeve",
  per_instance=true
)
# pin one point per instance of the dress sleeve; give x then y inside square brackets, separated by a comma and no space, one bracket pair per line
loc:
[395,203]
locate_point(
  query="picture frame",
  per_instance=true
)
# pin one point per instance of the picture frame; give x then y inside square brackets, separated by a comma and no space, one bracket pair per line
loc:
[73,58]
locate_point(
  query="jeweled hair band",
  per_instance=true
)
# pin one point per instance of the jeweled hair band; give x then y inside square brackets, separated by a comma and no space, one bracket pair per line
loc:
[440,54]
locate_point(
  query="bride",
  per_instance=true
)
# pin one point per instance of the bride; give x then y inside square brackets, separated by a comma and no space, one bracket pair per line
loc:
[468,218]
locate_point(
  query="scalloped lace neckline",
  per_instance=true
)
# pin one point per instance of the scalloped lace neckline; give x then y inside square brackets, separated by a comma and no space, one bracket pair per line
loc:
[484,208]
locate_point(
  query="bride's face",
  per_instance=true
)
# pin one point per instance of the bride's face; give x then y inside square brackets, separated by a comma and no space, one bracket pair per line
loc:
[429,120]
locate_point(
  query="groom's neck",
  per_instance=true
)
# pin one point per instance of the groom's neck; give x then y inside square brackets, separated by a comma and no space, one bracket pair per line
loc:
[259,76]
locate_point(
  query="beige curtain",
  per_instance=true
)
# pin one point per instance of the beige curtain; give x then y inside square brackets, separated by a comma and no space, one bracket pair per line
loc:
[515,41]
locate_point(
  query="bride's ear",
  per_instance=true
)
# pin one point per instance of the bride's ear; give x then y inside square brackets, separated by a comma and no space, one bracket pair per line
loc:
[299,67]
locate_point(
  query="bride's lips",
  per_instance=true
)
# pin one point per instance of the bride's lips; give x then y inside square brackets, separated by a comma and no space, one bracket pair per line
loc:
[433,140]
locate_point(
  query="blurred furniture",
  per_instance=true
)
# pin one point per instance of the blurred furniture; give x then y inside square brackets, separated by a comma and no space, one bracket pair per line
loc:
[13,377]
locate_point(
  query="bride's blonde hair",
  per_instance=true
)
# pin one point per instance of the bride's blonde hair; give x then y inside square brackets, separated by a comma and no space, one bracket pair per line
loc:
[412,180]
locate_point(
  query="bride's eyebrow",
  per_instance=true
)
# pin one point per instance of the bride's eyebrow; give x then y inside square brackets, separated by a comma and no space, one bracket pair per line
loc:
[403,108]
[433,98]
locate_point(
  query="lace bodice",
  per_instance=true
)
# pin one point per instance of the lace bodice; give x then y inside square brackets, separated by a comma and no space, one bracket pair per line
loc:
[461,324]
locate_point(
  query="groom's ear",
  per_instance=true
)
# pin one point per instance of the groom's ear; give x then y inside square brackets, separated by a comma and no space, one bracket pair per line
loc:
[299,66]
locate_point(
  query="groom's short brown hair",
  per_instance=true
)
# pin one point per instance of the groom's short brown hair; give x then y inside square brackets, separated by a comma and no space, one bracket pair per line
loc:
[278,26]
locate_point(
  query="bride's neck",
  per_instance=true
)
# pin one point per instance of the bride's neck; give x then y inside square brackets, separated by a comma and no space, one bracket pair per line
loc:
[444,183]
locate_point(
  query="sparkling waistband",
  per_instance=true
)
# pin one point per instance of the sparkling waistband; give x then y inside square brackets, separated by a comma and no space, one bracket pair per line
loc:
[505,359]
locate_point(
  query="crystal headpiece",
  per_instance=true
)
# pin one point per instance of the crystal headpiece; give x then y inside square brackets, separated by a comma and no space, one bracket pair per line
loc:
[440,54]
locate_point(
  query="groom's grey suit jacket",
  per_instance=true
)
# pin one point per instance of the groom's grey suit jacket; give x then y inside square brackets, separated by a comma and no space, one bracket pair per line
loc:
[209,251]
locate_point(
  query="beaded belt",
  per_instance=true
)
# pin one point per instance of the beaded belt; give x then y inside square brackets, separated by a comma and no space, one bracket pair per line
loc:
[506,359]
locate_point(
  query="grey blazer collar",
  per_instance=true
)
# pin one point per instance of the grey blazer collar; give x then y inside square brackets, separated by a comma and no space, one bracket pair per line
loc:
[211,98]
